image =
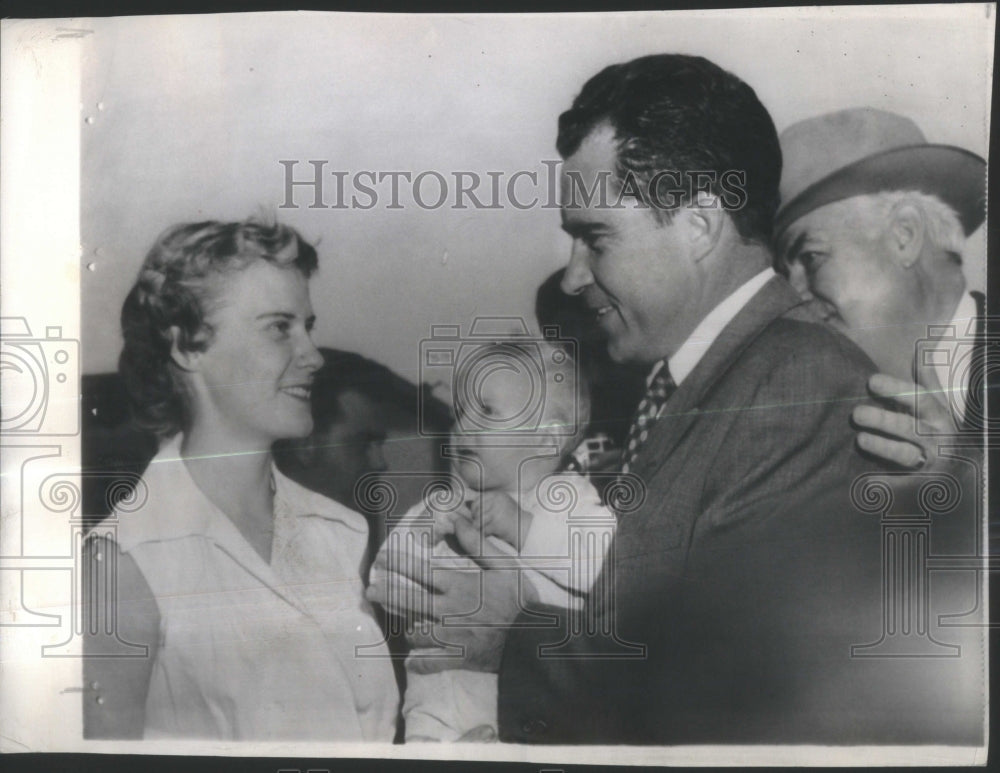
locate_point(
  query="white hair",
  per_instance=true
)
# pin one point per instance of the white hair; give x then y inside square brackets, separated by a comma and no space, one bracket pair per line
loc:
[943,226]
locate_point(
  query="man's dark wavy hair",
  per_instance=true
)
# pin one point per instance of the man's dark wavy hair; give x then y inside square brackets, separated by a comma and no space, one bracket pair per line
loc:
[179,280]
[678,113]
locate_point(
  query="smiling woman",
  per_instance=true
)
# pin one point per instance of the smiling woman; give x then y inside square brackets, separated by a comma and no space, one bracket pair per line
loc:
[219,362]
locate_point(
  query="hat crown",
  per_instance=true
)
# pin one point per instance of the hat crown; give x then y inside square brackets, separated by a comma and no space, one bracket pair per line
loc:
[863,151]
[817,147]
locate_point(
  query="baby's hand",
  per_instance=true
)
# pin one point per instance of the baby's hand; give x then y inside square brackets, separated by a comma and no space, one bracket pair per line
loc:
[444,521]
[497,514]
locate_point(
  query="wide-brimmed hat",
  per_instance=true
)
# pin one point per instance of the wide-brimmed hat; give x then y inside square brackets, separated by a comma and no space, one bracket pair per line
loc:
[862,150]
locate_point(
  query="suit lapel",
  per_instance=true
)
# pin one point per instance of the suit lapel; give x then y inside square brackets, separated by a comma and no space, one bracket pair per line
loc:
[773,300]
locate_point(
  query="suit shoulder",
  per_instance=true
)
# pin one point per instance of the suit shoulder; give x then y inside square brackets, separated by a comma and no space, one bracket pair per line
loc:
[804,341]
[796,360]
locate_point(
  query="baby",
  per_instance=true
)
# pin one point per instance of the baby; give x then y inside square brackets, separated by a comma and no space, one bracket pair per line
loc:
[515,498]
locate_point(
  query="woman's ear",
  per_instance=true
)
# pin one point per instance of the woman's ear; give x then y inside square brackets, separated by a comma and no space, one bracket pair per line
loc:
[185,359]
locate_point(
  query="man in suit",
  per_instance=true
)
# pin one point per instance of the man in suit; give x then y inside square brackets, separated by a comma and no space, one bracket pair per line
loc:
[872,227]
[740,573]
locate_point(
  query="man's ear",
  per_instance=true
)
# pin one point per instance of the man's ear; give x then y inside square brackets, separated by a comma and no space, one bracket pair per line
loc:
[906,233]
[185,359]
[704,221]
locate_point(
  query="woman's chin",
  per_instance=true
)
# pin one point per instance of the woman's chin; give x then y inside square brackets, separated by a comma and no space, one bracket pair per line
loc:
[294,428]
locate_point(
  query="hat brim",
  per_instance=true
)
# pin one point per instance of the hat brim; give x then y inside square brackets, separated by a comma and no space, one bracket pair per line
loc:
[954,175]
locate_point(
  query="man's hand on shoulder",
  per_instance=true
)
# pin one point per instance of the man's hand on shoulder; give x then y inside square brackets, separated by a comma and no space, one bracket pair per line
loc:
[902,429]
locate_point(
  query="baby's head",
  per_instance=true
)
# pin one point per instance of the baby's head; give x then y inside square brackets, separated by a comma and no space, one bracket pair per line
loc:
[505,417]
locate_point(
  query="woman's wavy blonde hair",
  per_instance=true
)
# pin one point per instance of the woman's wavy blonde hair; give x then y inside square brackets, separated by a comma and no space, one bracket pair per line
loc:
[172,298]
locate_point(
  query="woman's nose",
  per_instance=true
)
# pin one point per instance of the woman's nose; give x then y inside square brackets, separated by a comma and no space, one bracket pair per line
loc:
[310,356]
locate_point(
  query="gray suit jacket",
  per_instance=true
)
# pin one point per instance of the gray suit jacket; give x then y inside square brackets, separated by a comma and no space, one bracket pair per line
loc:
[732,595]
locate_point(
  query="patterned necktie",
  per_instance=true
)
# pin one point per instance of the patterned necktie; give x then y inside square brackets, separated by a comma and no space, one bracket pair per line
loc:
[657,394]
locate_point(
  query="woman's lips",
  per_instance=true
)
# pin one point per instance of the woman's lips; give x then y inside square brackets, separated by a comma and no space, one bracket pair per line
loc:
[299,391]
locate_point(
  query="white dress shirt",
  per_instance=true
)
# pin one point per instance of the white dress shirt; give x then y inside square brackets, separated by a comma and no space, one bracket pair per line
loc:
[703,336]
[251,650]
[961,333]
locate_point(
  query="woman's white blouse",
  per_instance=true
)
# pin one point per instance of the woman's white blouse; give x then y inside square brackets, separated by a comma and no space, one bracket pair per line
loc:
[249,650]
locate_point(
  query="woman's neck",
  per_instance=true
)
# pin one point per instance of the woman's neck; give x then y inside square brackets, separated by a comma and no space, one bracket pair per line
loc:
[236,479]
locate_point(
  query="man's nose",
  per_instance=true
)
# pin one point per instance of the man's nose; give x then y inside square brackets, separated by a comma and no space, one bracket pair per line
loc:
[577,275]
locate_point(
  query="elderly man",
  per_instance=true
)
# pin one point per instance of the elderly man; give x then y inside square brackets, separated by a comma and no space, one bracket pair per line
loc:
[872,227]
[739,575]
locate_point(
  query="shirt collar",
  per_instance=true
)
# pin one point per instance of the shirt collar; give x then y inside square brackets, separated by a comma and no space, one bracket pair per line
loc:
[172,506]
[962,329]
[703,336]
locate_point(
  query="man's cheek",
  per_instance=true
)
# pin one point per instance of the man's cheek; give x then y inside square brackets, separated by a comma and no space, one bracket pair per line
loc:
[860,313]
